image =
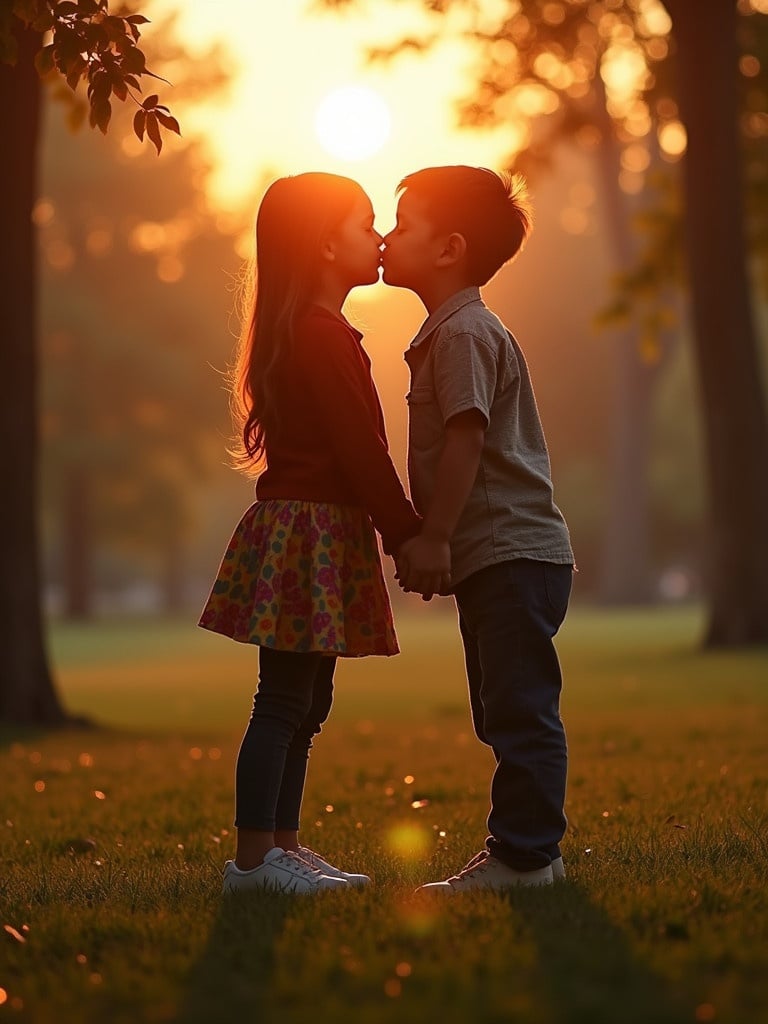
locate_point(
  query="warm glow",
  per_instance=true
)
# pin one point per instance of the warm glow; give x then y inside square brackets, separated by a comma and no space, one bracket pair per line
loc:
[635,158]
[43,212]
[749,66]
[624,71]
[352,123]
[148,236]
[653,18]
[672,138]
[408,842]
[290,106]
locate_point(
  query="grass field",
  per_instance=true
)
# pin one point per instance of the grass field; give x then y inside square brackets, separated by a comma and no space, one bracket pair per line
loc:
[113,840]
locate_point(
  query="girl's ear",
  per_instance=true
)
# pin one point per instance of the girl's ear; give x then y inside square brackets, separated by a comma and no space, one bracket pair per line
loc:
[327,250]
[454,250]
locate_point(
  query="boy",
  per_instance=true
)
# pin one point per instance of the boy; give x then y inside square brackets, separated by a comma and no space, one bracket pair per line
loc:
[492,534]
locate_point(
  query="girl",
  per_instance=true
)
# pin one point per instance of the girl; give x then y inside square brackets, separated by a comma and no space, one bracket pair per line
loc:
[302,575]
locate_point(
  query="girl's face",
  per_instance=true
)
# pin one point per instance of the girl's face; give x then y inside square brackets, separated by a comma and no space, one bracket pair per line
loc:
[356,246]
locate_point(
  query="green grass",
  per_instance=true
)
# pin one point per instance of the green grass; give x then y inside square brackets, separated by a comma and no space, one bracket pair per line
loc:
[663,918]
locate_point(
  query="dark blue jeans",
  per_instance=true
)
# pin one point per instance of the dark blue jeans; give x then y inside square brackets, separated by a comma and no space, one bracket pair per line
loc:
[292,701]
[508,615]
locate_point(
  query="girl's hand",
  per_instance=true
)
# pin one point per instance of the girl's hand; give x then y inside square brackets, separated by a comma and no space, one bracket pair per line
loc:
[424,566]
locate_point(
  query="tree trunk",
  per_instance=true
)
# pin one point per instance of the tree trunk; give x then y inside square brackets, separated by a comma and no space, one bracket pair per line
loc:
[625,563]
[27,693]
[624,576]
[730,375]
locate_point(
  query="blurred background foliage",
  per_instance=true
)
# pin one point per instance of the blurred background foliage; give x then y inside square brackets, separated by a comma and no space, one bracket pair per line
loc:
[140,273]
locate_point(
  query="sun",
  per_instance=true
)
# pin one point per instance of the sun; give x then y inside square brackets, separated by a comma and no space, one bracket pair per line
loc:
[352,122]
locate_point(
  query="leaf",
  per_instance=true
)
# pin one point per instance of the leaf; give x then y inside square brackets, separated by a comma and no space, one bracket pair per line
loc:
[153,131]
[77,845]
[139,123]
[65,9]
[14,934]
[132,81]
[101,113]
[100,85]
[43,20]
[134,61]
[44,60]
[96,38]
[68,46]
[137,19]
[119,88]
[114,27]
[168,122]
[150,102]
[151,74]
[75,72]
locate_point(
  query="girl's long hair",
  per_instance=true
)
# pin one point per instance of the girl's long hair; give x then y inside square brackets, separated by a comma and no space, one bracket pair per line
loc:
[295,215]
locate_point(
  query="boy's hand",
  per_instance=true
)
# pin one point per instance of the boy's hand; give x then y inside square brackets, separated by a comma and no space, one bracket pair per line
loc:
[424,566]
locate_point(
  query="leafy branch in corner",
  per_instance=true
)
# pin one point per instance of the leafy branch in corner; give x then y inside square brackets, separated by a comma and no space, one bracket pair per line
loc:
[87,42]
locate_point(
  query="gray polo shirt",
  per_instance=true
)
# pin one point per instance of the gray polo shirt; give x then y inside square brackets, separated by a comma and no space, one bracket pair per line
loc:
[464,358]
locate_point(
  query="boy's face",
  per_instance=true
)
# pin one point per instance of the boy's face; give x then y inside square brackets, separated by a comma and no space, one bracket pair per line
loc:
[412,247]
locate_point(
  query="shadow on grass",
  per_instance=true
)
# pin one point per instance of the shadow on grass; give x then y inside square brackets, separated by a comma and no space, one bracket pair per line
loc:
[588,972]
[231,981]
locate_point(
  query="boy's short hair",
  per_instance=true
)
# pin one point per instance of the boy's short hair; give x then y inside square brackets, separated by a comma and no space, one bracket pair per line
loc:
[490,210]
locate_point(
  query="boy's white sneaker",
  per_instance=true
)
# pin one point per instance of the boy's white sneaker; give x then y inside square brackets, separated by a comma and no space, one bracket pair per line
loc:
[316,861]
[486,872]
[281,871]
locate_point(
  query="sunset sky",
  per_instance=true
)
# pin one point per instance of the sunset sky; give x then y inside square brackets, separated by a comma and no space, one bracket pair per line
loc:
[287,60]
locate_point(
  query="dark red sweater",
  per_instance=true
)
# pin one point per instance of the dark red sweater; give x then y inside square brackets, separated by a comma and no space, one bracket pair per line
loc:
[331,444]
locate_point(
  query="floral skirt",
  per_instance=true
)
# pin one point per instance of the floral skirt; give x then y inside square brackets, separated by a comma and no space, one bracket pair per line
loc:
[303,576]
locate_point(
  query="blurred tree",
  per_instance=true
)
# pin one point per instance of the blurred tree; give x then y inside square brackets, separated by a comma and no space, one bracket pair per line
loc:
[133,297]
[87,43]
[597,71]
[725,338]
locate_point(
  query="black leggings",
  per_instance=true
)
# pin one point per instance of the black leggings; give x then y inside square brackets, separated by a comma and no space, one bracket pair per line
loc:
[292,701]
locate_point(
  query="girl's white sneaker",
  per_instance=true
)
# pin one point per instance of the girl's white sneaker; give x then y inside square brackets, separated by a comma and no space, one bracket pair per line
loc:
[281,871]
[316,861]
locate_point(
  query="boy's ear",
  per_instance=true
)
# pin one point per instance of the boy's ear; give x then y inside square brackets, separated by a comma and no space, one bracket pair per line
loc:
[454,250]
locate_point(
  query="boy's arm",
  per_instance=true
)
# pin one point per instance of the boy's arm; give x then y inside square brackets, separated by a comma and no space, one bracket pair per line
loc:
[424,562]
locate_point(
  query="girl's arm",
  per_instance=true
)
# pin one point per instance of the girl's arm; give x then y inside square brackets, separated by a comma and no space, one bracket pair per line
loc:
[339,386]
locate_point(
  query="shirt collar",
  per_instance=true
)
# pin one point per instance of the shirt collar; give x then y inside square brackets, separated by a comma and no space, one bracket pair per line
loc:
[447,309]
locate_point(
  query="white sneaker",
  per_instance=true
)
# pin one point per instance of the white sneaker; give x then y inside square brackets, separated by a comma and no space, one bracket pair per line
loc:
[281,871]
[558,870]
[316,861]
[486,872]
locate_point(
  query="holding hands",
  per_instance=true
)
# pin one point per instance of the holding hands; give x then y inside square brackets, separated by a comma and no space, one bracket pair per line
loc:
[424,566]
